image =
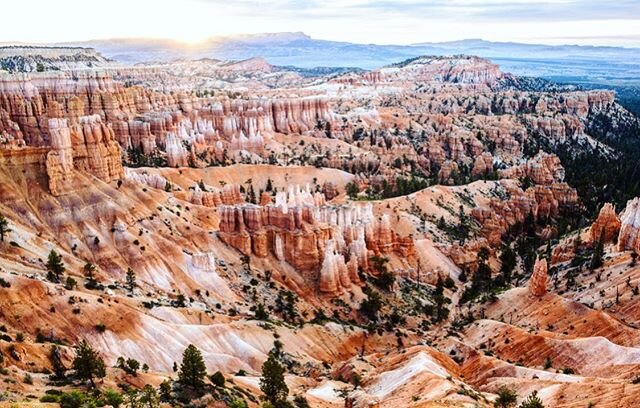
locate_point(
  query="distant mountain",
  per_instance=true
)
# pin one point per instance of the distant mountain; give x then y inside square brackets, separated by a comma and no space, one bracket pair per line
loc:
[566,63]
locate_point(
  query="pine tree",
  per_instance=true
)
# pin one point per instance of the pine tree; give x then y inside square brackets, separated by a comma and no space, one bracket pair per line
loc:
[508,262]
[532,401]
[4,227]
[352,190]
[598,253]
[149,397]
[507,398]
[192,370]
[87,363]
[251,194]
[218,379]
[89,272]
[113,398]
[440,300]
[272,382]
[55,267]
[165,391]
[131,280]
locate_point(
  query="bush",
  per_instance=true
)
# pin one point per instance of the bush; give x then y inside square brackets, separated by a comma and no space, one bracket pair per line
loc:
[532,401]
[507,398]
[370,306]
[70,283]
[73,399]
[112,398]
[49,398]
[101,328]
[449,283]
[301,402]
[217,379]
[238,403]
[385,280]
[261,313]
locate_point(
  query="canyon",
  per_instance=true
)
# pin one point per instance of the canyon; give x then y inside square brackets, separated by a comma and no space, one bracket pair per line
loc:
[415,235]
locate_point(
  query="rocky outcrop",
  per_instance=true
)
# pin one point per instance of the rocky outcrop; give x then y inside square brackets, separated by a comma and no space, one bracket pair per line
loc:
[88,145]
[606,226]
[327,244]
[542,169]
[456,69]
[59,164]
[482,165]
[335,274]
[448,169]
[629,238]
[538,281]
[539,201]
[178,127]
[204,262]
[32,59]
[151,180]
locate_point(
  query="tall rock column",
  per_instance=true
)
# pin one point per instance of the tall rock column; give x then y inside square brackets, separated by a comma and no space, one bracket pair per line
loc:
[629,237]
[538,280]
[59,162]
[607,223]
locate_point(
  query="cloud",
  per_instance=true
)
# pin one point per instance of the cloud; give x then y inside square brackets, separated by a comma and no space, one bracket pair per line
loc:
[537,10]
[364,21]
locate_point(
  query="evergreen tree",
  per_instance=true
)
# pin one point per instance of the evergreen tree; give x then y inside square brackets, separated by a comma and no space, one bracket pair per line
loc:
[352,190]
[113,398]
[508,263]
[532,401]
[192,370]
[441,311]
[598,253]
[261,313]
[4,227]
[251,194]
[149,397]
[371,305]
[87,363]
[272,382]
[131,280]
[70,283]
[507,398]
[89,273]
[218,379]
[165,391]
[55,267]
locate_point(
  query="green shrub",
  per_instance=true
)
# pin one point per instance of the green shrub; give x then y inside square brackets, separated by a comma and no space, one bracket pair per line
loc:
[217,379]
[49,398]
[73,399]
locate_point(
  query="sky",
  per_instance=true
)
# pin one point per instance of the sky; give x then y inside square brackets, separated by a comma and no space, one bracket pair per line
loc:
[595,22]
